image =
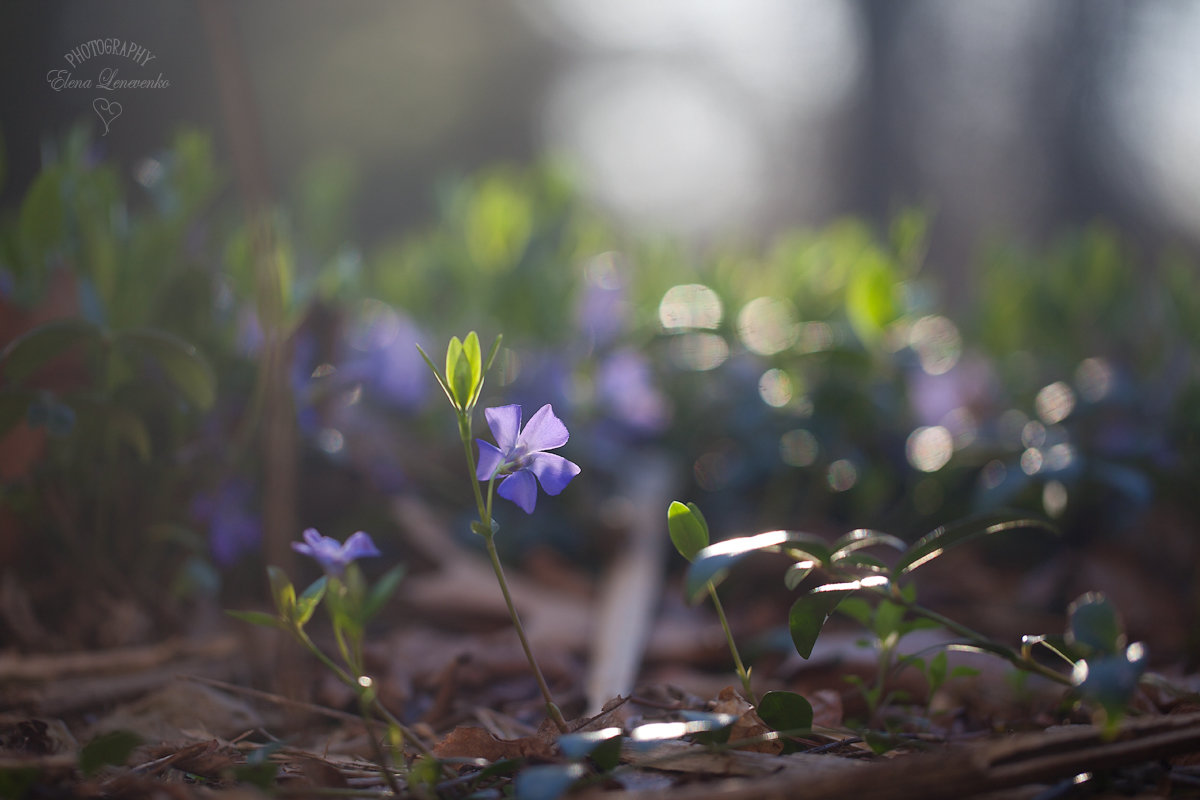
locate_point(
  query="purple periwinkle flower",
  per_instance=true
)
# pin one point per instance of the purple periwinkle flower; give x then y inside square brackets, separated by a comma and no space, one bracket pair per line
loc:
[332,555]
[521,456]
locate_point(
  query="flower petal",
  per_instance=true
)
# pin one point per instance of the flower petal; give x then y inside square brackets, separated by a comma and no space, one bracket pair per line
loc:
[521,488]
[505,422]
[553,472]
[544,431]
[490,460]
[359,545]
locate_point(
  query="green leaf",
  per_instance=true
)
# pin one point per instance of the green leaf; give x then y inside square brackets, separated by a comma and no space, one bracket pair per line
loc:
[307,603]
[283,592]
[547,781]
[1110,681]
[940,539]
[123,426]
[888,616]
[458,373]
[936,671]
[383,589]
[795,575]
[858,609]
[1094,625]
[713,562]
[863,538]
[872,297]
[478,528]
[437,375]
[809,614]
[107,749]
[257,618]
[185,367]
[688,529]
[474,361]
[31,351]
[785,711]
[42,218]
[592,743]
[492,353]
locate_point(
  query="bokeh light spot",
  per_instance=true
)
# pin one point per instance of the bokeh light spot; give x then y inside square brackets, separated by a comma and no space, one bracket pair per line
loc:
[1031,461]
[330,440]
[1055,402]
[1033,434]
[1054,498]
[690,305]
[775,388]
[929,449]
[937,343]
[767,325]
[798,448]
[699,351]
[1059,456]
[993,474]
[841,475]
[1094,377]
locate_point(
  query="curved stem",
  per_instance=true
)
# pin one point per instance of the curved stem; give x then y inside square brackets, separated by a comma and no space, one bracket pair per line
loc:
[353,683]
[737,658]
[485,517]
[551,707]
[1011,656]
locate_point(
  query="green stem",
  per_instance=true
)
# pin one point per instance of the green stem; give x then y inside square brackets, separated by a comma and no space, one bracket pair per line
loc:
[1016,659]
[364,710]
[485,517]
[358,688]
[551,707]
[737,658]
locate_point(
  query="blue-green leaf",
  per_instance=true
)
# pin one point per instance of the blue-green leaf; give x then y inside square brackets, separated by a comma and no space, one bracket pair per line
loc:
[580,745]
[862,538]
[713,562]
[1094,625]
[1110,681]
[383,590]
[940,539]
[546,782]
[811,611]
[785,711]
[808,616]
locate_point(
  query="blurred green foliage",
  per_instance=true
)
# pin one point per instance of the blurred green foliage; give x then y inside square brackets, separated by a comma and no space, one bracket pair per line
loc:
[787,380]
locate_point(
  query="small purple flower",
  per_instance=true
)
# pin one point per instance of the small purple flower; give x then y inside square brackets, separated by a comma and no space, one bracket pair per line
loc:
[521,456]
[332,555]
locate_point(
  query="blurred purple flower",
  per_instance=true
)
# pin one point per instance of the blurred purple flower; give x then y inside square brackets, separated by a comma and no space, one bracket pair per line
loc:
[385,357]
[232,529]
[602,311]
[332,555]
[521,456]
[625,386]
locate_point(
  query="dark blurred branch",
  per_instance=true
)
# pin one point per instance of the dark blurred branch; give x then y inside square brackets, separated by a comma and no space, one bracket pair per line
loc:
[277,414]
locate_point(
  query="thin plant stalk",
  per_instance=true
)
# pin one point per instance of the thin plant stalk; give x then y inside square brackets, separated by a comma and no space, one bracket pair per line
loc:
[1018,660]
[489,538]
[742,672]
